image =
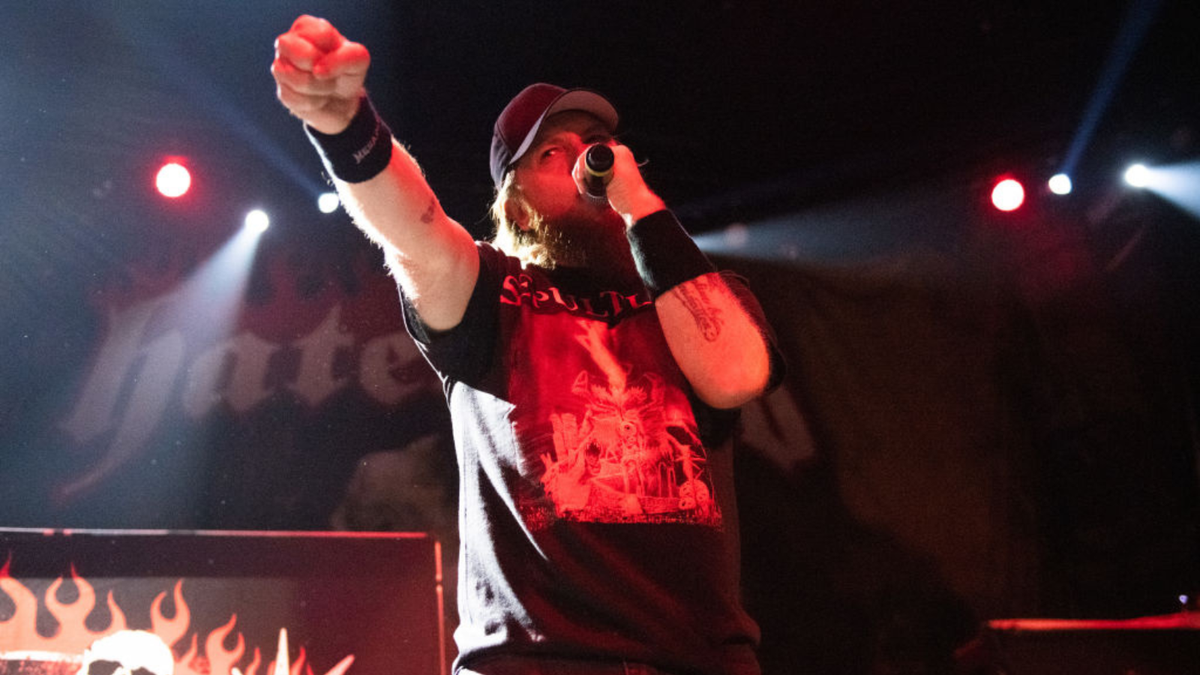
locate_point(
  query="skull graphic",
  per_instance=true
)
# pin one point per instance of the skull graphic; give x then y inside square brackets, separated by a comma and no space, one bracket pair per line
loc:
[128,652]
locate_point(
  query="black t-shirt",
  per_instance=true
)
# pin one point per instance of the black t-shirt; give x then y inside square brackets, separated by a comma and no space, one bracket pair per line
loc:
[597,515]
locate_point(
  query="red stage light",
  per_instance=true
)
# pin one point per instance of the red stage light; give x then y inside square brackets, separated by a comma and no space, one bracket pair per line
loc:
[1008,195]
[173,180]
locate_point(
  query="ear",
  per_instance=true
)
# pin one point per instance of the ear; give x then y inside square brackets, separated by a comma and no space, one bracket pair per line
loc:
[516,213]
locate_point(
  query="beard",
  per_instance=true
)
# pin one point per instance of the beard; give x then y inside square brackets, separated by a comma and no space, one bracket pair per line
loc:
[591,239]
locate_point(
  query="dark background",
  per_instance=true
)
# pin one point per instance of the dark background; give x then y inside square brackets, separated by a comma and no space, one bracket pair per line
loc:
[986,415]
[740,108]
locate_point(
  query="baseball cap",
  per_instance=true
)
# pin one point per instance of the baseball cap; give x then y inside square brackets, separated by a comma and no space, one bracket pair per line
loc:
[523,116]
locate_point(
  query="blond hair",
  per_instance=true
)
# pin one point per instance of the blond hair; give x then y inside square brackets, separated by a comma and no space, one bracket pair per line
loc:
[526,243]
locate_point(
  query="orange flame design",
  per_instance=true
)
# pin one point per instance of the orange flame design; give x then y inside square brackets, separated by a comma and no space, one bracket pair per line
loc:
[72,636]
[19,637]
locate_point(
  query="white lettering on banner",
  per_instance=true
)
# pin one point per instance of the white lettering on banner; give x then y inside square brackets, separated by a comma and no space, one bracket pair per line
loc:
[147,401]
[319,350]
[248,356]
[135,375]
[94,413]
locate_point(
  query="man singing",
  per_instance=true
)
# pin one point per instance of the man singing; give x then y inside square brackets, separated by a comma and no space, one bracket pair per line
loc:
[593,361]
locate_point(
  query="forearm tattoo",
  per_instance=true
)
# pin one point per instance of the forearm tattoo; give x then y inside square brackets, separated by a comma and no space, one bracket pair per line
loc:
[695,297]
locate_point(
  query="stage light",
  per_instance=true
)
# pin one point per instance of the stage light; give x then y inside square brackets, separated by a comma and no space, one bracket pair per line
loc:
[328,202]
[1137,175]
[1008,195]
[1178,183]
[173,180]
[257,221]
[1060,184]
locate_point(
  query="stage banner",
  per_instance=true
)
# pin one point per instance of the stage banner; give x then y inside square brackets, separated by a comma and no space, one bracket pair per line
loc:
[197,390]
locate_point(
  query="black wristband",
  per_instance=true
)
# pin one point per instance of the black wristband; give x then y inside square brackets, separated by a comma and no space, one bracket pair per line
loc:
[361,151]
[664,253]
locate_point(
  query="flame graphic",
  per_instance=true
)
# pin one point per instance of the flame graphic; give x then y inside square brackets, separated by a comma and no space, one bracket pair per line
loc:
[72,636]
[20,640]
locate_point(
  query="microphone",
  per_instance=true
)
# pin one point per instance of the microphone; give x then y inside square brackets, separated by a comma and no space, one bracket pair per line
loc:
[597,167]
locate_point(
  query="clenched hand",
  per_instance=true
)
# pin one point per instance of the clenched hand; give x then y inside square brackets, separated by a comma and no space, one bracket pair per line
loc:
[319,74]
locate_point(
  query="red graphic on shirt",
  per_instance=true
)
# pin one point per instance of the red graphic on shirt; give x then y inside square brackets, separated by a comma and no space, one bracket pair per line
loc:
[625,443]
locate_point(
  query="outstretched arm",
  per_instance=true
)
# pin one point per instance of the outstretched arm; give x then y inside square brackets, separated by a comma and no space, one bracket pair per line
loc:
[319,77]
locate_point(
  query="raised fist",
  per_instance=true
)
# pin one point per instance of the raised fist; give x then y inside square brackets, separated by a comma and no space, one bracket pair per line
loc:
[319,74]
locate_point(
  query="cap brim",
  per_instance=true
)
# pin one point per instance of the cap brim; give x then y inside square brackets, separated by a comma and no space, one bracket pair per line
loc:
[572,99]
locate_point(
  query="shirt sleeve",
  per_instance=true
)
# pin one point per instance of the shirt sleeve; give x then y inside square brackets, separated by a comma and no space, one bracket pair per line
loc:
[465,351]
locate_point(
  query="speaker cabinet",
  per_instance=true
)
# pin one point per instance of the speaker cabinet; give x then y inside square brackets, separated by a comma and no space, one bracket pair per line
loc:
[221,602]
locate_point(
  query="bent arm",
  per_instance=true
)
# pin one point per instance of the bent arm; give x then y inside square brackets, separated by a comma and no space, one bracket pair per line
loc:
[718,345]
[721,347]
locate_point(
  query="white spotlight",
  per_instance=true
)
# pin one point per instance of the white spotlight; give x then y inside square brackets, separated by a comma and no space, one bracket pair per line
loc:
[1060,184]
[328,202]
[1137,175]
[257,221]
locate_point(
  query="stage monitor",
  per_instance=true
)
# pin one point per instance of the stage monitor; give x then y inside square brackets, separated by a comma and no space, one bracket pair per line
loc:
[220,603]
